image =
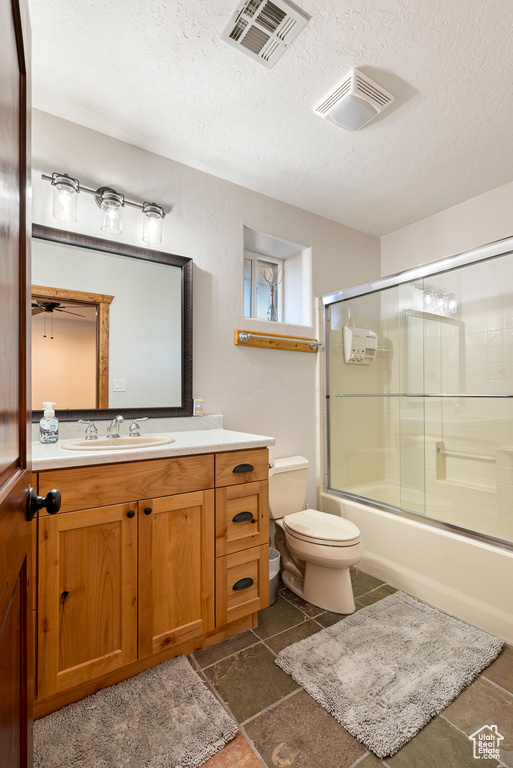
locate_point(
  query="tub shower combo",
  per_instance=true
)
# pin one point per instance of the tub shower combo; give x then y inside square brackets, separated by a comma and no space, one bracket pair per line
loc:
[419,387]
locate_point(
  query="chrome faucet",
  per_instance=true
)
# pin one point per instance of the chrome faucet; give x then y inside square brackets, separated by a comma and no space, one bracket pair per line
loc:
[92,429]
[133,429]
[113,430]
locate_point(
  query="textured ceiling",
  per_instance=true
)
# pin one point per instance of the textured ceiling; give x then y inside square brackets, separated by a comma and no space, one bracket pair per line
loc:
[154,73]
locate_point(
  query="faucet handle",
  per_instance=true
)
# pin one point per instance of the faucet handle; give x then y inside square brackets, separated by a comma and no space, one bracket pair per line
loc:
[92,429]
[133,430]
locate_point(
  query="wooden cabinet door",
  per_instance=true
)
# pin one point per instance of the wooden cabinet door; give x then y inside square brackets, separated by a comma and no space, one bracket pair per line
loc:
[176,569]
[87,612]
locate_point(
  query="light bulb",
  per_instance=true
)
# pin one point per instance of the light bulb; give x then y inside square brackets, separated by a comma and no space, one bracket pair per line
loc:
[429,297]
[65,190]
[152,224]
[440,299]
[111,212]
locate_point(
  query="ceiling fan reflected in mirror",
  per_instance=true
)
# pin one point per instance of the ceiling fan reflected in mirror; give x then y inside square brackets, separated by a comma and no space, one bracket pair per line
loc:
[50,307]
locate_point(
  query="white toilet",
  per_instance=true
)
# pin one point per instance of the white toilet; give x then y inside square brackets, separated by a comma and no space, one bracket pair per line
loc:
[316,548]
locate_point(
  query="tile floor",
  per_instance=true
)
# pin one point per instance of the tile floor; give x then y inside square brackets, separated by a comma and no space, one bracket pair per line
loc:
[281,725]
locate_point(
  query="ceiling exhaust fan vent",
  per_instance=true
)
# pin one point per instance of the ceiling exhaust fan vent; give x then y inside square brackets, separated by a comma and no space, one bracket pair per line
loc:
[263,29]
[354,102]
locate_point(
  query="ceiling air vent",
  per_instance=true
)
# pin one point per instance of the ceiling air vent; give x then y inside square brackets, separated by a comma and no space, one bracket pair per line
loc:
[355,101]
[263,29]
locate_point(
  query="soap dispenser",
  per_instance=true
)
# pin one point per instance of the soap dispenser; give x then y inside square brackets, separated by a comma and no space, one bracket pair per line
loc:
[49,425]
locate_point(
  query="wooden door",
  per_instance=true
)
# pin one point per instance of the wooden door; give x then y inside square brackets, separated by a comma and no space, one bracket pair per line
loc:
[16,683]
[176,570]
[87,606]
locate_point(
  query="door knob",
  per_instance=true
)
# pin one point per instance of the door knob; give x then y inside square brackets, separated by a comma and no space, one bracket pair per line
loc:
[51,502]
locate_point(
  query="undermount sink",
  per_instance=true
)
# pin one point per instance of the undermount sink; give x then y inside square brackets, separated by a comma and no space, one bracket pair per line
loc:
[117,443]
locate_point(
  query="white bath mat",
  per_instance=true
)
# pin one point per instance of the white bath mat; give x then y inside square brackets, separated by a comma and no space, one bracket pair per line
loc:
[385,671]
[164,717]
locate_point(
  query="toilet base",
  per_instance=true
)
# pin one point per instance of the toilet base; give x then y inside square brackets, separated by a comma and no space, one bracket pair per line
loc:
[324,587]
[329,588]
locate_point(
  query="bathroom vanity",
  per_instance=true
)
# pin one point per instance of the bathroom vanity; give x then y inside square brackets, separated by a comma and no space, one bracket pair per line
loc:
[153,554]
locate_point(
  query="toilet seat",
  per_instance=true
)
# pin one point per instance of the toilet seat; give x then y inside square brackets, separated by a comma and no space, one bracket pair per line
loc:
[317,527]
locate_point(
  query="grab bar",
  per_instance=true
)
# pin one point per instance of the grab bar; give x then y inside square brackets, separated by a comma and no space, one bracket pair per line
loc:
[465,455]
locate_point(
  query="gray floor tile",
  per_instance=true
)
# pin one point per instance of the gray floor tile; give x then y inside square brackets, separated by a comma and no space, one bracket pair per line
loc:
[438,745]
[221,650]
[250,681]
[294,635]
[278,617]
[378,594]
[482,703]
[299,732]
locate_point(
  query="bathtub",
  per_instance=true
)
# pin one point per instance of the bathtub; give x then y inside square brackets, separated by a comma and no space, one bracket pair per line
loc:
[462,576]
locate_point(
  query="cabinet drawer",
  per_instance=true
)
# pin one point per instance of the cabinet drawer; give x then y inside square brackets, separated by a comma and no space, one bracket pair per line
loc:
[86,487]
[242,584]
[235,467]
[242,517]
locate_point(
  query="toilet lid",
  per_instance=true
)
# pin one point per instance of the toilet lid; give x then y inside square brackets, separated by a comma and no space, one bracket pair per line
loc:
[312,525]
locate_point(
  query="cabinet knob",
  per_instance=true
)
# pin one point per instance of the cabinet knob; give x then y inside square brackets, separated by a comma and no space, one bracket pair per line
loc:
[51,502]
[148,510]
[242,468]
[243,584]
[243,517]
[130,513]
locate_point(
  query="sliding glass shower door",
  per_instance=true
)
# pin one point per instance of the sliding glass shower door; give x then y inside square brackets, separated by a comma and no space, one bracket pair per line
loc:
[420,392]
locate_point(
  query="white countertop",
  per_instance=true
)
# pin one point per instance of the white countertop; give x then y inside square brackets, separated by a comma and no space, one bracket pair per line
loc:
[53,456]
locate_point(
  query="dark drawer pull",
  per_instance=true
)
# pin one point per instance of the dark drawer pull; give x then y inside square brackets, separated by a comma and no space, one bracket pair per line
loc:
[130,513]
[147,510]
[241,468]
[243,583]
[243,517]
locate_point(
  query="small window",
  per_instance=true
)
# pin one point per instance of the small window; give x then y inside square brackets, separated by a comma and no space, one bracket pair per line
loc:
[263,287]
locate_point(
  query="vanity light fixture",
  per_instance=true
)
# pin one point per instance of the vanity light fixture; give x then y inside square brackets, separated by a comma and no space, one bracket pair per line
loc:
[440,302]
[111,203]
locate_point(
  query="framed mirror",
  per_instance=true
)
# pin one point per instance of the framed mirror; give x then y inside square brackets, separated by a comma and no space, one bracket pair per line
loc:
[111,328]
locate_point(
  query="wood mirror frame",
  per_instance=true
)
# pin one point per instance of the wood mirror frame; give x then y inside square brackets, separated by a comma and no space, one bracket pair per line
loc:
[121,249]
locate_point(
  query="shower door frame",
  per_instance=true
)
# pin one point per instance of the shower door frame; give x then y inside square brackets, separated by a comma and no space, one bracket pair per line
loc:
[483,253]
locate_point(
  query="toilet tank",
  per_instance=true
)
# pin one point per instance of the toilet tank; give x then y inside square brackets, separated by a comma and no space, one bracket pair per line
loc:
[287,486]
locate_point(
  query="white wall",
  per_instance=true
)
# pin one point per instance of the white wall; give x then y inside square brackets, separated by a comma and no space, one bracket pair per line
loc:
[478,221]
[263,391]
